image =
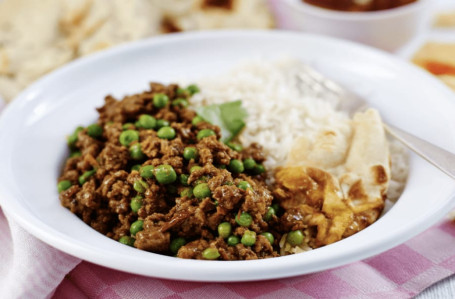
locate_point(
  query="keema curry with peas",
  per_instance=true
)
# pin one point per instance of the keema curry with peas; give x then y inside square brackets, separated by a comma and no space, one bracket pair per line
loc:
[154,174]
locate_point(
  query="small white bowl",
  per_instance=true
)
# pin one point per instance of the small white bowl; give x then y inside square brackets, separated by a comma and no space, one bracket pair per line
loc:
[385,29]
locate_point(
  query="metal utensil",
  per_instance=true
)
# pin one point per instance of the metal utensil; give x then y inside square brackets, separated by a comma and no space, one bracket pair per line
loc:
[351,103]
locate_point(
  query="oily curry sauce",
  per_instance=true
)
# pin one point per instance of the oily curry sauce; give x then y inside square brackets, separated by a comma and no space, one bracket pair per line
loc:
[359,5]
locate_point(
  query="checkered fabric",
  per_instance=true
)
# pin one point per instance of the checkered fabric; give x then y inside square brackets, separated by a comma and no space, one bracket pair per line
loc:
[401,272]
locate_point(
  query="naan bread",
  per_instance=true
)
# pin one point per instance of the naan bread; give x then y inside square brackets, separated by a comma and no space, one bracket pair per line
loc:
[328,149]
[39,36]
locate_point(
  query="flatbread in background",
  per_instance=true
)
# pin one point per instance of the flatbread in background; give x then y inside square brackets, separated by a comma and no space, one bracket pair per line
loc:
[445,19]
[39,36]
[438,59]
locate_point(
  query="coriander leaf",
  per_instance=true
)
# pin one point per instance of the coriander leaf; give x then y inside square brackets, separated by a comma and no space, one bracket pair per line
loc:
[230,117]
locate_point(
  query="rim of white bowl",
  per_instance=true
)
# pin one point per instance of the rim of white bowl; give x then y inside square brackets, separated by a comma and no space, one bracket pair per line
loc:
[326,13]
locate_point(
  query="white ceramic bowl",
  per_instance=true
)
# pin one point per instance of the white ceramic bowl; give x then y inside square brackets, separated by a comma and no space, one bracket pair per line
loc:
[33,129]
[386,29]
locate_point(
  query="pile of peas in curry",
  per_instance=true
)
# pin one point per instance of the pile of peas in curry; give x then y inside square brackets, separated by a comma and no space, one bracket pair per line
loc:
[176,183]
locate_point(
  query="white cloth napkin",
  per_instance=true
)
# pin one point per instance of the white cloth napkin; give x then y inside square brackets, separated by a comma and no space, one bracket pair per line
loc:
[29,267]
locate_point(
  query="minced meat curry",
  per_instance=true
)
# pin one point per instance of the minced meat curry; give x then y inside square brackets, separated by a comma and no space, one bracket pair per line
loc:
[153,174]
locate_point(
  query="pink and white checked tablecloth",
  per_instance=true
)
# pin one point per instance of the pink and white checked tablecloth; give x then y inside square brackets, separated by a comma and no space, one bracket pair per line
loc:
[32,269]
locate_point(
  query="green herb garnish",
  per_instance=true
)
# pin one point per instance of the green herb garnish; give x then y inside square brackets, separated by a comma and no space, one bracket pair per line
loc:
[230,117]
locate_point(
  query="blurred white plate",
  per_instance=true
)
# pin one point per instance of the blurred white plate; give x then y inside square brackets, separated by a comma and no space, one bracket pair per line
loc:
[34,126]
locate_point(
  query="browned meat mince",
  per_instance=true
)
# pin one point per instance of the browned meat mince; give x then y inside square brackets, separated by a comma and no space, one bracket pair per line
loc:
[254,151]
[110,191]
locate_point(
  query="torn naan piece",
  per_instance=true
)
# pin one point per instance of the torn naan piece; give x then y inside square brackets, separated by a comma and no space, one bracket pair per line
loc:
[342,194]
[58,31]
[367,170]
[327,150]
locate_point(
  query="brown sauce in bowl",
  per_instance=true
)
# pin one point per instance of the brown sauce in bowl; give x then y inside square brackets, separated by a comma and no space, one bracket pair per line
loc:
[359,5]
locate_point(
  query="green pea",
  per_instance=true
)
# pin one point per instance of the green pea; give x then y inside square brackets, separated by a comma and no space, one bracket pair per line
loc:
[160,100]
[216,203]
[147,171]
[184,179]
[244,219]
[248,238]
[205,133]
[86,175]
[233,240]
[166,133]
[224,229]
[202,191]
[127,126]
[210,254]
[197,119]
[147,121]
[234,146]
[244,185]
[136,203]
[176,244]
[269,237]
[269,214]
[187,192]
[259,169]
[276,207]
[63,185]
[194,168]
[190,152]
[136,167]
[95,131]
[140,186]
[180,102]
[193,89]
[72,139]
[136,227]
[75,154]
[127,240]
[249,163]
[129,136]
[236,166]
[136,152]
[165,174]
[181,91]
[295,237]
[161,123]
